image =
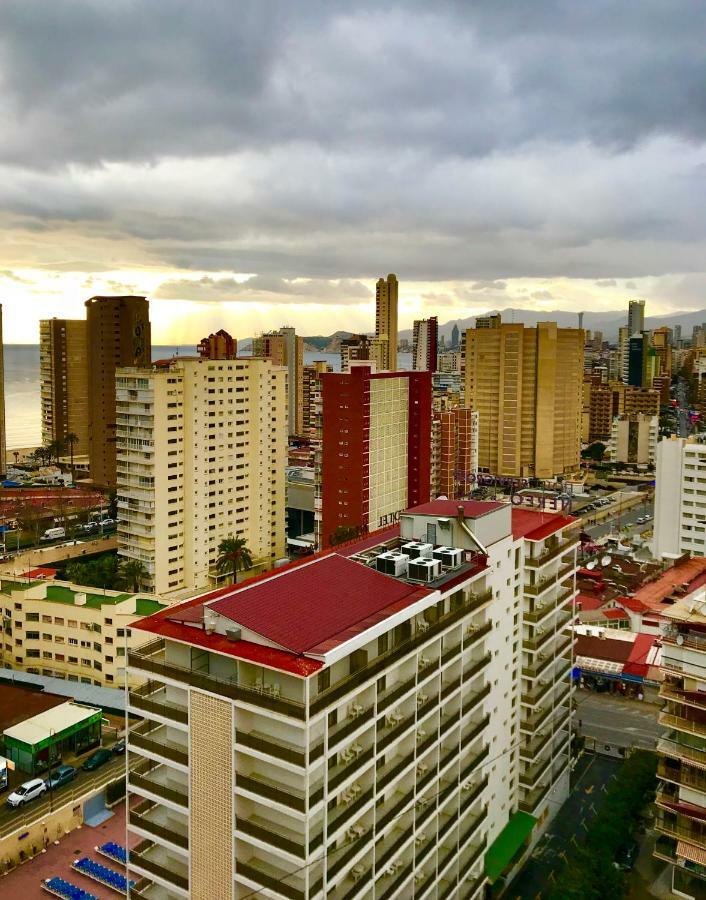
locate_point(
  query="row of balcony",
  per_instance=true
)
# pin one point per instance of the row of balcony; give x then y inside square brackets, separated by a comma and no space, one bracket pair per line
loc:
[681,827]
[531,617]
[551,553]
[541,584]
[536,643]
[539,664]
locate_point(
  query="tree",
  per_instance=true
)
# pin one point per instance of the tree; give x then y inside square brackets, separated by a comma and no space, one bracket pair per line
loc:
[595,451]
[71,439]
[233,557]
[132,574]
[54,450]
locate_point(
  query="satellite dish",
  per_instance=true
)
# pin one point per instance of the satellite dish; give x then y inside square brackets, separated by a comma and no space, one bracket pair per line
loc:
[606,560]
[591,565]
[680,639]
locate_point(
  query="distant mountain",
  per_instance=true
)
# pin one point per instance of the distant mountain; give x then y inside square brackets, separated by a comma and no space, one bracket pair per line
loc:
[608,322]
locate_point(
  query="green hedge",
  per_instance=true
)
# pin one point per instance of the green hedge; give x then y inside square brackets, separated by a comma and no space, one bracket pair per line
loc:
[590,873]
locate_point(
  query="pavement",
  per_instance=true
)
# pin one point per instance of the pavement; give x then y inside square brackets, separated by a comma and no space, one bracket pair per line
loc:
[618,721]
[25,881]
[590,779]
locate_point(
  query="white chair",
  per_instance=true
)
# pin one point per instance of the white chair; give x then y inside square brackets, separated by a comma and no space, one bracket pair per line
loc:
[421,699]
[357,872]
[356,749]
[421,734]
[422,625]
[275,690]
[258,684]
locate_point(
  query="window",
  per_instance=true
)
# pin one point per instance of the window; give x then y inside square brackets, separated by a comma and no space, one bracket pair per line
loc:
[32,635]
[30,617]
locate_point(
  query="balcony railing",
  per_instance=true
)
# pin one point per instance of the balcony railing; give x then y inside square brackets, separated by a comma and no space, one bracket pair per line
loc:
[678,750]
[277,884]
[539,665]
[533,644]
[690,639]
[558,550]
[340,774]
[541,585]
[271,747]
[677,827]
[160,790]
[271,835]
[158,747]
[154,868]
[156,829]
[531,617]
[141,700]
[534,797]
[286,796]
[683,776]
[681,723]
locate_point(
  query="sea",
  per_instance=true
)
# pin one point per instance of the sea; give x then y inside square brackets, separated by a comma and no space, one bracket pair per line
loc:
[22,399]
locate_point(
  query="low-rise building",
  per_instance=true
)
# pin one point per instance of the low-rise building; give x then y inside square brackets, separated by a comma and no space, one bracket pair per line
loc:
[392,717]
[67,631]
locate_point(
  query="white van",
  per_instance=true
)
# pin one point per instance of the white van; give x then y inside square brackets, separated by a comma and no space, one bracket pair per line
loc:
[53,534]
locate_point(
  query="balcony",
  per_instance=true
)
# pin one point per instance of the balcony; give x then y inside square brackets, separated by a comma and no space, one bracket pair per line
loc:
[270,789]
[552,552]
[686,776]
[532,774]
[276,836]
[159,823]
[534,797]
[340,773]
[536,643]
[160,781]
[666,849]
[148,659]
[694,640]
[682,749]
[152,698]
[532,617]
[688,723]
[154,740]
[269,746]
[285,883]
[681,827]
[158,861]
[696,699]
[542,584]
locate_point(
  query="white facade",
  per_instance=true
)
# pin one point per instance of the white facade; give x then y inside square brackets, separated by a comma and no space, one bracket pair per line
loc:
[633,439]
[680,499]
[201,450]
[389,771]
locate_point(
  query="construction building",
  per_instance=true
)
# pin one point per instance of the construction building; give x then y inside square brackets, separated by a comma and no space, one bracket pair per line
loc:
[392,719]
[525,384]
[202,449]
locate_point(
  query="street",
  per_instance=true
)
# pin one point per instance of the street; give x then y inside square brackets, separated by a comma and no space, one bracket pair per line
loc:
[590,778]
[627,518]
[617,720]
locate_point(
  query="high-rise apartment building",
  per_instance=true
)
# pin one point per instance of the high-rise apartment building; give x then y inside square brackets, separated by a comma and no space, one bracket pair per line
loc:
[603,402]
[218,346]
[636,316]
[285,348]
[680,498]
[360,348]
[425,344]
[633,439]
[311,388]
[525,384]
[681,793]
[386,321]
[661,339]
[388,720]
[3,438]
[373,459]
[63,370]
[118,334]
[454,453]
[624,352]
[492,320]
[455,334]
[202,448]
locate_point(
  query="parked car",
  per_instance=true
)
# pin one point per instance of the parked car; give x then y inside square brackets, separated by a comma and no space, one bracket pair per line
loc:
[53,534]
[119,748]
[626,856]
[27,791]
[96,760]
[60,776]
[108,523]
[89,527]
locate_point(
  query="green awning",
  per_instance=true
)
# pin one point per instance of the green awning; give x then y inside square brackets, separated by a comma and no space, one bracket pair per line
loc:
[506,845]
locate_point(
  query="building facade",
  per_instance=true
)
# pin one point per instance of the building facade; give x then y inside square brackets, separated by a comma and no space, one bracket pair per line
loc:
[680,498]
[681,792]
[63,370]
[454,453]
[67,631]
[374,454]
[3,433]
[386,291]
[202,448]
[425,344]
[311,389]
[405,738]
[219,345]
[634,440]
[285,348]
[118,334]
[360,348]
[526,384]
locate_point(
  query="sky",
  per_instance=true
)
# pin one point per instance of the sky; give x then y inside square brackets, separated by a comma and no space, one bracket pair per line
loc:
[253,164]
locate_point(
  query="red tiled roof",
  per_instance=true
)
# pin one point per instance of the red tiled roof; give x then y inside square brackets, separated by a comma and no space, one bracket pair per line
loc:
[610,649]
[317,606]
[587,602]
[617,614]
[535,525]
[632,603]
[640,660]
[689,572]
[472,509]
[40,572]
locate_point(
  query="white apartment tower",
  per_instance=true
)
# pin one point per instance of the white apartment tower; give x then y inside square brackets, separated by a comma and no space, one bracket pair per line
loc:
[363,724]
[201,449]
[680,498]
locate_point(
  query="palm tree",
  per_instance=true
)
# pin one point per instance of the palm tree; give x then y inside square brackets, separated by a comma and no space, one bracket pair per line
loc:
[233,557]
[71,439]
[133,574]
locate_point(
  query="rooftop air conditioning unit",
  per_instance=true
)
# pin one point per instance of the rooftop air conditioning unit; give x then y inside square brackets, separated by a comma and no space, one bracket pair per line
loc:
[416,549]
[393,563]
[425,570]
[449,557]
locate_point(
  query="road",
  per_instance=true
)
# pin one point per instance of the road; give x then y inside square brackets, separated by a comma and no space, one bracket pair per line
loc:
[617,721]
[555,849]
[45,556]
[627,518]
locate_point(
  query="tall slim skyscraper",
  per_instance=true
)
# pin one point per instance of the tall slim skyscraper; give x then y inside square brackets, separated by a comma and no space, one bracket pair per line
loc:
[425,344]
[386,321]
[118,334]
[311,388]
[636,316]
[63,369]
[202,448]
[284,348]
[454,337]
[374,457]
[526,386]
[3,438]
[624,352]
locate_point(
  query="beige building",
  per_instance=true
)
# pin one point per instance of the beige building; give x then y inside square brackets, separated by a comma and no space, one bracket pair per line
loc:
[285,348]
[67,631]
[526,385]
[634,439]
[392,720]
[311,388]
[3,439]
[386,322]
[202,449]
[63,369]
[118,334]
